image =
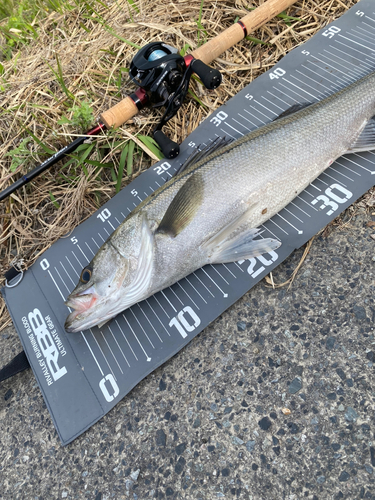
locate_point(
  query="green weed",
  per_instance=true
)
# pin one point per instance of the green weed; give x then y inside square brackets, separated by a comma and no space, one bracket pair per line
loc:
[19,155]
[196,98]
[200,27]
[80,157]
[288,19]
[6,8]
[121,167]
[129,164]
[82,116]
[46,149]
[3,82]
[133,5]
[113,33]
[17,31]
[256,41]
[185,49]
[152,145]
[60,78]
[53,199]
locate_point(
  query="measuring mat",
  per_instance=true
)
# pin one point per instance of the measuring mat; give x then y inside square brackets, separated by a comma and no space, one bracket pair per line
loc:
[83,375]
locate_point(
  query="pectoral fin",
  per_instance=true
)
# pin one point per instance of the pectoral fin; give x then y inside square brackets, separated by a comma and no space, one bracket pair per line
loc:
[366,140]
[235,242]
[183,207]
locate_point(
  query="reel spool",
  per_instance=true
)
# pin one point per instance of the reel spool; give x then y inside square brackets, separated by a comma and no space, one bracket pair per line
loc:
[164,76]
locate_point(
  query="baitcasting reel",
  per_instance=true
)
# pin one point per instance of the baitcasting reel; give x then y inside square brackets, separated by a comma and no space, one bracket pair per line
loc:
[163,77]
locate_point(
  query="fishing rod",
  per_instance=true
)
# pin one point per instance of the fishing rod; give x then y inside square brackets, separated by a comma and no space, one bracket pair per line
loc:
[163,76]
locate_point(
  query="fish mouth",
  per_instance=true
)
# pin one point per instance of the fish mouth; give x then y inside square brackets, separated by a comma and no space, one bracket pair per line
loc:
[75,323]
[72,318]
[81,305]
[91,310]
[81,302]
[83,317]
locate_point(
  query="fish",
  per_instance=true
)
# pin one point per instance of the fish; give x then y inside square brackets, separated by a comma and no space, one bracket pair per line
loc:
[210,212]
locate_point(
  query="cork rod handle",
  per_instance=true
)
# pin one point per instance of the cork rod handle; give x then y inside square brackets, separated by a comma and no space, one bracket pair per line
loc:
[232,35]
[126,109]
[119,114]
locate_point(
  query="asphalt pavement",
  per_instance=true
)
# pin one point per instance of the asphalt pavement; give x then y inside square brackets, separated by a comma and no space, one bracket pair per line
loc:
[274,400]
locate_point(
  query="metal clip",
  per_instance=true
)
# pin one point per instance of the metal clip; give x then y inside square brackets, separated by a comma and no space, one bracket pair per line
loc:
[14,275]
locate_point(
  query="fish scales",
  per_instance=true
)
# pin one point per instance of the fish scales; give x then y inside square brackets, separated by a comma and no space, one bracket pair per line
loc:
[208,213]
[271,165]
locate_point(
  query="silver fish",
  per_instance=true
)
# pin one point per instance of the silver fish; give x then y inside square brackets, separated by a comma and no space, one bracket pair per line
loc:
[210,212]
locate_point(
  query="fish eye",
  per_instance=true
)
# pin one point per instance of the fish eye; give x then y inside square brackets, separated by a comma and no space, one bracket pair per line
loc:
[86,274]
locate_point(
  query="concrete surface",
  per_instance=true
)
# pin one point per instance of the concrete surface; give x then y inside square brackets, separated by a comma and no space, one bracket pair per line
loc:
[274,400]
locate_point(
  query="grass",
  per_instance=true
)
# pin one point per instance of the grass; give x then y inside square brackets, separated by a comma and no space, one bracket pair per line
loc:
[17,29]
[200,27]
[60,78]
[19,20]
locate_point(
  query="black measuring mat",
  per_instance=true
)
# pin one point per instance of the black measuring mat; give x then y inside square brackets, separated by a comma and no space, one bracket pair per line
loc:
[82,376]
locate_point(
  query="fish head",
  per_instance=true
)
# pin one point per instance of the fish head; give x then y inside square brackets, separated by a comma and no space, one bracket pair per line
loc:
[118,276]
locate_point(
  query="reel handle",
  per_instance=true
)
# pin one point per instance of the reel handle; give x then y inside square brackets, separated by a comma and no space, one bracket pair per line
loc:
[127,108]
[211,78]
[169,148]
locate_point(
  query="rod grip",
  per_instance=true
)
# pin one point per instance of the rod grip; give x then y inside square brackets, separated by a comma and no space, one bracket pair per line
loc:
[232,35]
[120,113]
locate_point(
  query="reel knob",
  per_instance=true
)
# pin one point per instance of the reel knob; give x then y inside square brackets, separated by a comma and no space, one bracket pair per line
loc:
[169,148]
[211,78]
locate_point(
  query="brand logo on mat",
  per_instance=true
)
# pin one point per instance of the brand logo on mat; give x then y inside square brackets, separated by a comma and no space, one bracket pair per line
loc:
[46,344]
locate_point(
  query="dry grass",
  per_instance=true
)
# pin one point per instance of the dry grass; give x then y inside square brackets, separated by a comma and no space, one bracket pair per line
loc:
[92,57]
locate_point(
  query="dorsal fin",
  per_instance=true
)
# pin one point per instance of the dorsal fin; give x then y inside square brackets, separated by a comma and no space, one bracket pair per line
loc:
[199,154]
[293,109]
[183,207]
